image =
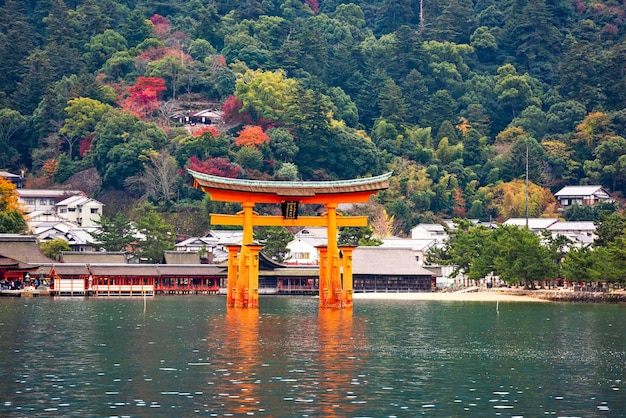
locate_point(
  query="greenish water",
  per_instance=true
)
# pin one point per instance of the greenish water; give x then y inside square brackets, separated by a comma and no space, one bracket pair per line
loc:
[180,356]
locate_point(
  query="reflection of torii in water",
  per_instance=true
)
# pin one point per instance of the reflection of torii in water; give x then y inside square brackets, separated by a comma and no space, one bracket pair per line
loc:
[243,265]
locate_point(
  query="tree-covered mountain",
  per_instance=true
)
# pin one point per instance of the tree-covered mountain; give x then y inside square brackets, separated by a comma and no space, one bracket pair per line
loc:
[451,95]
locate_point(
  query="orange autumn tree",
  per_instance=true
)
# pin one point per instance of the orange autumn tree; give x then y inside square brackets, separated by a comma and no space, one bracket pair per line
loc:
[206,129]
[11,216]
[143,97]
[251,136]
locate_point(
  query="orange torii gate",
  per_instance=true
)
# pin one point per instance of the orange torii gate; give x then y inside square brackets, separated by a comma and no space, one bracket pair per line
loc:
[243,265]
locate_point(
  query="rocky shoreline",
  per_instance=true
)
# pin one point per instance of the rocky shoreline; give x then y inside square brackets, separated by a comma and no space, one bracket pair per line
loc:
[570,296]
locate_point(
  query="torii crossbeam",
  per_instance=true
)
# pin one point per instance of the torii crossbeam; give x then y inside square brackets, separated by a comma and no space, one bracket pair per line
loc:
[243,267]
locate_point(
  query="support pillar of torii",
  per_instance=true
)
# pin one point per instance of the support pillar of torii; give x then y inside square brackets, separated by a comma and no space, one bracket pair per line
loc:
[243,260]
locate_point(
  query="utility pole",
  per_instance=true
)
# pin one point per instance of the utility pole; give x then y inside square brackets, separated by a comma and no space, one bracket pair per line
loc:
[421,16]
[526,185]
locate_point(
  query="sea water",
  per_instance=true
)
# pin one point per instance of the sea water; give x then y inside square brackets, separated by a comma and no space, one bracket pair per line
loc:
[181,356]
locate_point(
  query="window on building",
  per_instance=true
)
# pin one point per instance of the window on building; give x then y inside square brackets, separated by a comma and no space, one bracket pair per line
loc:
[31,202]
[94,210]
[71,209]
[63,210]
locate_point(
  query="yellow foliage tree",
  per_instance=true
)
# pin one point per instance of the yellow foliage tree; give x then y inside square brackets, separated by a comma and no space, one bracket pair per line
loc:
[8,196]
[594,128]
[266,94]
[11,216]
[509,200]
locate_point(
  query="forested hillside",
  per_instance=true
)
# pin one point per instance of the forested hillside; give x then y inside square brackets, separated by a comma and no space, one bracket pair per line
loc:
[451,95]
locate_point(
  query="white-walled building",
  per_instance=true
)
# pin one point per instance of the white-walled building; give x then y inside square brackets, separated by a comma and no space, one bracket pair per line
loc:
[419,247]
[43,200]
[582,233]
[79,239]
[429,231]
[81,210]
[582,195]
[303,248]
[212,244]
[534,224]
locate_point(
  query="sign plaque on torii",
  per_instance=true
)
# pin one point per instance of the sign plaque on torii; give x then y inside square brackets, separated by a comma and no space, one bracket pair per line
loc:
[335,291]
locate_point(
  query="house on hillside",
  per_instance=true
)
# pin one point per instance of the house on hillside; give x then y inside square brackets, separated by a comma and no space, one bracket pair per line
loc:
[534,224]
[581,195]
[204,117]
[582,233]
[14,178]
[303,247]
[81,210]
[79,239]
[419,247]
[429,231]
[43,200]
[210,248]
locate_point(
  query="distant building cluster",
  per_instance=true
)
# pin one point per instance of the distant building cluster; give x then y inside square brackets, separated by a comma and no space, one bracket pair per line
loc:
[72,216]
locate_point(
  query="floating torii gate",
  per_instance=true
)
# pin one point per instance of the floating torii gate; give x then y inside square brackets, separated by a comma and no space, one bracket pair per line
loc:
[243,260]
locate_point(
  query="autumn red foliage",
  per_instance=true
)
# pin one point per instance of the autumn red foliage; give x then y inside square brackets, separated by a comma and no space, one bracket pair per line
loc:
[314,5]
[161,26]
[143,97]
[251,136]
[215,166]
[207,129]
[85,144]
[232,112]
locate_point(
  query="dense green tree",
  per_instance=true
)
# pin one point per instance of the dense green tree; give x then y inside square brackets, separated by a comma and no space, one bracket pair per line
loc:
[415,93]
[274,240]
[391,103]
[514,254]
[515,92]
[249,158]
[11,122]
[610,227]
[155,236]
[83,114]
[32,86]
[579,265]
[484,43]
[578,212]
[102,47]
[466,250]
[282,144]
[580,73]
[136,28]
[609,166]
[564,116]
[440,107]
[121,142]
[363,237]
[266,94]
[15,47]
[456,22]
[536,38]
[53,248]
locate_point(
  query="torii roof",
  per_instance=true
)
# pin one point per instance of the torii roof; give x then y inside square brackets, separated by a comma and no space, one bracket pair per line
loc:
[340,191]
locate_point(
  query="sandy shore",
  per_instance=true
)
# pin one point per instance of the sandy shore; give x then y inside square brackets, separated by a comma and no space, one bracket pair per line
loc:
[485,296]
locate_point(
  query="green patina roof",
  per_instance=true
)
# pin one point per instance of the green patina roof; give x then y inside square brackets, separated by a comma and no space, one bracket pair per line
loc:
[290,184]
[292,188]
